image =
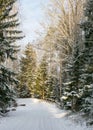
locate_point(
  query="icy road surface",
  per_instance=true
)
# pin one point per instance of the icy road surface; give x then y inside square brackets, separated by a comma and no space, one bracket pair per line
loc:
[38,115]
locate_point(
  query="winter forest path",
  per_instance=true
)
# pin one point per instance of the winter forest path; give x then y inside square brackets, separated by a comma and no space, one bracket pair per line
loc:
[37,115]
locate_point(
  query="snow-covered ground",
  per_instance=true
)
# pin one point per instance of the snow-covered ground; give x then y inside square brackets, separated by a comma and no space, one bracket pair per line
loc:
[38,115]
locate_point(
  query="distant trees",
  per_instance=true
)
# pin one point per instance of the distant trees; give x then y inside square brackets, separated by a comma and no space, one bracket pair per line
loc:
[35,78]
[27,72]
[41,79]
[64,72]
[45,82]
[68,43]
[8,35]
[63,35]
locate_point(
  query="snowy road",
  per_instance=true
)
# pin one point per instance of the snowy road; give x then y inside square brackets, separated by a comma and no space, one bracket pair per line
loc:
[38,115]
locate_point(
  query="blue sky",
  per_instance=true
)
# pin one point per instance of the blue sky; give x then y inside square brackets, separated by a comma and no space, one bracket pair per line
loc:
[32,13]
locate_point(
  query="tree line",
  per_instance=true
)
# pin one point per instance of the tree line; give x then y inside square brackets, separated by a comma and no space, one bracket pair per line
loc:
[64,72]
[59,67]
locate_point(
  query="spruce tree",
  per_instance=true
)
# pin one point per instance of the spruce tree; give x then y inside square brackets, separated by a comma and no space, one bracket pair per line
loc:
[80,80]
[41,79]
[27,72]
[71,94]
[87,56]
[8,36]
[52,88]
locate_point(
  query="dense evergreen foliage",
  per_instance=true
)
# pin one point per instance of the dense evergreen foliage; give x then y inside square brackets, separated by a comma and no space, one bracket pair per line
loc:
[41,78]
[27,72]
[78,92]
[63,71]
[71,94]
[8,36]
[35,80]
[45,83]
[87,75]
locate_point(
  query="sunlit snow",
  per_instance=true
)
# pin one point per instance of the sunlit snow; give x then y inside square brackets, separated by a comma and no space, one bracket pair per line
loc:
[38,115]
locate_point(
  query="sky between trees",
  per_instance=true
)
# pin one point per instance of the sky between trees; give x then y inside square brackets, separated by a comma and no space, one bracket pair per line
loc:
[32,13]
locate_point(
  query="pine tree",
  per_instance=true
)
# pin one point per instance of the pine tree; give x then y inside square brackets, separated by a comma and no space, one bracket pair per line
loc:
[8,35]
[27,71]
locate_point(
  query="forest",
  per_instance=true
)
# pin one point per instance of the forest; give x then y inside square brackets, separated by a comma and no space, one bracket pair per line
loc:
[58,67]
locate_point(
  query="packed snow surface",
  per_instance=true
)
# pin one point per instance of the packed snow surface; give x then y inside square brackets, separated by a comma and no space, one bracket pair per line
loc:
[39,115]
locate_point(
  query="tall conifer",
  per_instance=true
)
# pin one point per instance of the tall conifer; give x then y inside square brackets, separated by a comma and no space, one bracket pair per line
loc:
[8,36]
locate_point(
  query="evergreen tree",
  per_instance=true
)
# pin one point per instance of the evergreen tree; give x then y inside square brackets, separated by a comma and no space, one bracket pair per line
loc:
[8,35]
[52,89]
[87,55]
[46,86]
[27,71]
[72,90]
[41,79]
[79,87]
